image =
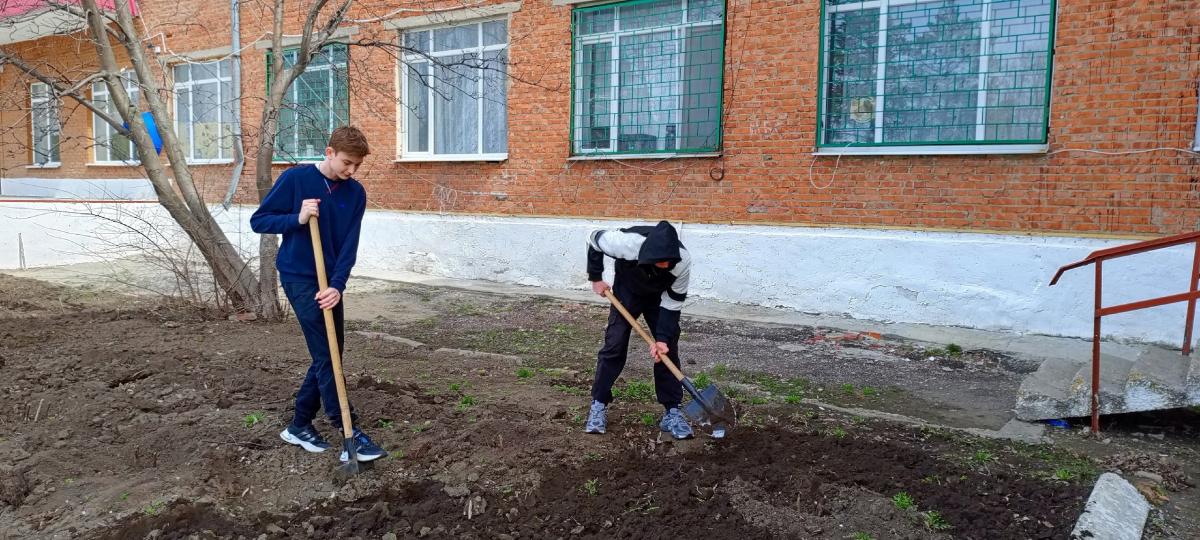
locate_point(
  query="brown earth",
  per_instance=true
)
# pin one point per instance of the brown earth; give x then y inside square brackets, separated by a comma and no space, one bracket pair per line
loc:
[148,421]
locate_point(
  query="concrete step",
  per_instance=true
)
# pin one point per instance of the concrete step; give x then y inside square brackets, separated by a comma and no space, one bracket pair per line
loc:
[1158,380]
[1114,373]
[1193,379]
[1053,391]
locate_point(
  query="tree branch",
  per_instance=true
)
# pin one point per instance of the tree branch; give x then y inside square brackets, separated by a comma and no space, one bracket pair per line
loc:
[61,89]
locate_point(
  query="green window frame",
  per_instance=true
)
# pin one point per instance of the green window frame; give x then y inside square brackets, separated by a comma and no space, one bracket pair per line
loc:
[647,77]
[940,76]
[317,102]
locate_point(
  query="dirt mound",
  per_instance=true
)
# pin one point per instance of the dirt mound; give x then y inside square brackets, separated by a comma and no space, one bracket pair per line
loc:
[161,423]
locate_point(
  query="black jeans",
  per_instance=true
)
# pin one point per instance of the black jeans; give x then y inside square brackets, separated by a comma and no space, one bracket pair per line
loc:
[318,387]
[610,361]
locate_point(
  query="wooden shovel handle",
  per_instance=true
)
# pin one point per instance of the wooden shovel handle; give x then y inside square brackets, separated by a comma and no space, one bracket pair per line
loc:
[642,332]
[335,352]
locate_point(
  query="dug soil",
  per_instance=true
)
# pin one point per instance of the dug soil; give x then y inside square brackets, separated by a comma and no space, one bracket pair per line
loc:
[141,420]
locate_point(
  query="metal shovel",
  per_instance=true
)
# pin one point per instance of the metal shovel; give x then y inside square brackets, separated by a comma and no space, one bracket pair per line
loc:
[709,407]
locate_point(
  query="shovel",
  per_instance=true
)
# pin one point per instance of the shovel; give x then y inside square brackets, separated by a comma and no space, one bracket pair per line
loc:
[708,407]
[351,467]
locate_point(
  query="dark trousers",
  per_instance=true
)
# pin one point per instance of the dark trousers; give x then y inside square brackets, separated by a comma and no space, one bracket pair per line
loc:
[611,359]
[318,387]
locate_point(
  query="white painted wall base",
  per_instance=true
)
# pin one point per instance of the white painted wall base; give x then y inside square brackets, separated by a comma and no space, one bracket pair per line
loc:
[103,189]
[994,282]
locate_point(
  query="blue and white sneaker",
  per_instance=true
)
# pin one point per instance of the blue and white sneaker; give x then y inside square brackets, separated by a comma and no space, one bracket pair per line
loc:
[597,421]
[674,423]
[366,451]
[306,438]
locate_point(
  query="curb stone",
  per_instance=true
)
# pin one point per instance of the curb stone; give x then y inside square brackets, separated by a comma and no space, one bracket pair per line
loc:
[1114,511]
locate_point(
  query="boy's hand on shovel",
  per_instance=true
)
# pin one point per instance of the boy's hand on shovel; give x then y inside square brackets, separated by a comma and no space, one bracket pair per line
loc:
[328,298]
[659,351]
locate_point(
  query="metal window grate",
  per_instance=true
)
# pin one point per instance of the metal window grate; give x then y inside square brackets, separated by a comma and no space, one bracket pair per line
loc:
[946,72]
[647,77]
[317,102]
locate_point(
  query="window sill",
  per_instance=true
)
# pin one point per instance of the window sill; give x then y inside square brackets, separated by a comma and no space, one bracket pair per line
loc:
[300,162]
[52,165]
[588,157]
[933,150]
[469,158]
[114,164]
[211,162]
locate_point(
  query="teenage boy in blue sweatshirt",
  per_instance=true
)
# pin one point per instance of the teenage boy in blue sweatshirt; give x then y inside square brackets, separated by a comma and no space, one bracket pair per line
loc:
[327,190]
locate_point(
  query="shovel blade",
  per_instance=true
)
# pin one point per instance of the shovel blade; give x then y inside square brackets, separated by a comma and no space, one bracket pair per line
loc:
[709,407]
[350,468]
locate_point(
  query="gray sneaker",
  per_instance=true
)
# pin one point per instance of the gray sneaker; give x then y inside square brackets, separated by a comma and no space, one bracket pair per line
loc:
[597,421]
[674,423]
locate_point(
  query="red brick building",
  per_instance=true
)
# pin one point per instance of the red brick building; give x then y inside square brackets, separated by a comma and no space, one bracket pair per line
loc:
[1004,117]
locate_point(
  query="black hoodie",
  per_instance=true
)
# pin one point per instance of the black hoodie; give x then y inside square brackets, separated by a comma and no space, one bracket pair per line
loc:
[635,258]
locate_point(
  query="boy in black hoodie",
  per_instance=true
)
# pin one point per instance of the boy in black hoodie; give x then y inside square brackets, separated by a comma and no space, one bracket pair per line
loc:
[652,270]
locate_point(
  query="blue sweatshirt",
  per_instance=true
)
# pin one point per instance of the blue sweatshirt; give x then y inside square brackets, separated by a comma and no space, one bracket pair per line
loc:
[343,203]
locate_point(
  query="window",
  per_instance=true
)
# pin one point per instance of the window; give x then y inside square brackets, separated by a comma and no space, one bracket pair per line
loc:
[455,92]
[109,145]
[938,73]
[44,126]
[317,102]
[647,77]
[204,114]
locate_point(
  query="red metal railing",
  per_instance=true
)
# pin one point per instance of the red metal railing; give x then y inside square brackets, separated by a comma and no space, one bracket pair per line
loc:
[1098,258]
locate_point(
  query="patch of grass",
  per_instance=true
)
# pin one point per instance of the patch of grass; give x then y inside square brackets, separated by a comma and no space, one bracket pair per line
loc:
[557,340]
[1059,461]
[759,400]
[422,426]
[253,418]
[702,380]
[1065,475]
[591,487]
[635,391]
[592,456]
[648,419]
[125,496]
[849,389]
[720,370]
[384,424]
[465,403]
[935,351]
[571,390]
[903,500]
[982,457]
[643,505]
[869,391]
[524,373]
[153,508]
[837,432]
[792,398]
[861,536]
[457,387]
[954,350]
[934,521]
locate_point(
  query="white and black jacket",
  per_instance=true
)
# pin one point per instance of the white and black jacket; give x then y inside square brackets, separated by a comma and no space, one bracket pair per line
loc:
[635,250]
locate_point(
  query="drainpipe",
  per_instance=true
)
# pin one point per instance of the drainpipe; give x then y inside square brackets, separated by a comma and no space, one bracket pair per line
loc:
[239,153]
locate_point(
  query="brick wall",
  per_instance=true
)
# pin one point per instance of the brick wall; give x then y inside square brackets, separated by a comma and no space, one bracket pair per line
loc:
[1125,79]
